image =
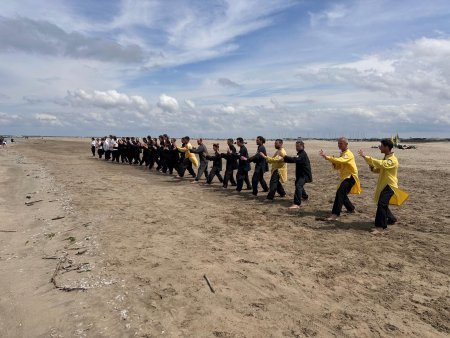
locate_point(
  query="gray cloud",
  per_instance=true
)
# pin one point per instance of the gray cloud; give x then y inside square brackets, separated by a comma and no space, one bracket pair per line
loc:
[31,99]
[42,37]
[227,83]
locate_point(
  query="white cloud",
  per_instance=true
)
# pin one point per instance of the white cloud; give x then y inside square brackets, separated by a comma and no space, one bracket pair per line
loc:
[6,119]
[106,99]
[228,109]
[418,70]
[190,104]
[329,16]
[168,104]
[50,119]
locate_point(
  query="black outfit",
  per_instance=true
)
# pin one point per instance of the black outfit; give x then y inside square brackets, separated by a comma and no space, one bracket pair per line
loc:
[216,168]
[122,149]
[231,165]
[275,186]
[160,158]
[92,148]
[384,215]
[100,150]
[303,175]
[173,159]
[153,155]
[261,167]
[130,152]
[342,196]
[137,153]
[145,156]
[243,169]
[203,167]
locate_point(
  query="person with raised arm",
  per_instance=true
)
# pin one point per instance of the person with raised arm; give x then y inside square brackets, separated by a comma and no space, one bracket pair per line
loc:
[387,191]
[349,180]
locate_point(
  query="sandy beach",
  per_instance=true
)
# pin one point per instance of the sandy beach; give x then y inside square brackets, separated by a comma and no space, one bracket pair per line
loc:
[90,248]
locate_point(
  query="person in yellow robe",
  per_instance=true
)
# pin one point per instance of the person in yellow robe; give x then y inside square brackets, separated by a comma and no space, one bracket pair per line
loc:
[278,171]
[387,191]
[189,158]
[349,180]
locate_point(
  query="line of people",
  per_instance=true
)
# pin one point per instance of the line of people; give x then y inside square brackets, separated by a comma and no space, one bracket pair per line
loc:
[171,158]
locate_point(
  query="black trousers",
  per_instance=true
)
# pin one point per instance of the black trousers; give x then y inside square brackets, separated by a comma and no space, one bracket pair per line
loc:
[241,177]
[214,172]
[107,155]
[93,150]
[186,165]
[342,196]
[228,177]
[171,165]
[115,156]
[275,186]
[123,157]
[384,215]
[100,152]
[258,177]
[130,156]
[202,169]
[137,157]
[300,192]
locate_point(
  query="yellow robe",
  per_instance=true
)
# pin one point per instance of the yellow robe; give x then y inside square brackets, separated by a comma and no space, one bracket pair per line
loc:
[279,164]
[188,154]
[346,165]
[387,168]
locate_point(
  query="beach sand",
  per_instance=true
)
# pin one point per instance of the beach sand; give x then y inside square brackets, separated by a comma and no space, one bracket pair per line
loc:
[141,242]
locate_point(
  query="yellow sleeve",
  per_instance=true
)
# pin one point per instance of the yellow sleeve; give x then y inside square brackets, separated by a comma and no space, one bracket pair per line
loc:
[183,150]
[338,160]
[378,164]
[276,159]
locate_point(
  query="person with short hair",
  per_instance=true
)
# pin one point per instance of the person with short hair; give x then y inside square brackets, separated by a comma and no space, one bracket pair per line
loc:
[217,165]
[303,173]
[100,150]
[243,166]
[93,145]
[114,149]
[349,180]
[387,191]
[231,163]
[278,171]
[173,156]
[202,152]
[260,166]
[189,158]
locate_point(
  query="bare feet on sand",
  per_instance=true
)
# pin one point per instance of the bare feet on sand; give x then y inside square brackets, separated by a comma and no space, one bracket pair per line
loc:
[294,206]
[333,217]
[379,231]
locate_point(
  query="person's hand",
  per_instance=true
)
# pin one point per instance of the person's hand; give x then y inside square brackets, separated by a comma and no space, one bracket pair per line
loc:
[243,158]
[263,155]
[361,153]
[322,153]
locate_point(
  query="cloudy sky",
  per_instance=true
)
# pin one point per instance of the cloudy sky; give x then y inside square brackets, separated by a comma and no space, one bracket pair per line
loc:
[225,68]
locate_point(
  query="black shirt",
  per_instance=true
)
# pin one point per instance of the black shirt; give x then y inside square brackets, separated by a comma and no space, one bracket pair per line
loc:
[302,165]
